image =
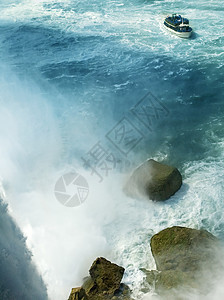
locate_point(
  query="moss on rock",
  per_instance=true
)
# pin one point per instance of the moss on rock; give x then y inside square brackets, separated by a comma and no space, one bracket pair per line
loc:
[106,275]
[184,249]
[184,257]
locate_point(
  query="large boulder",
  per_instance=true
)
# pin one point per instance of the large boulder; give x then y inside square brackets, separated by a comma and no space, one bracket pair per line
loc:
[154,180]
[103,283]
[184,249]
[184,257]
[106,275]
[105,278]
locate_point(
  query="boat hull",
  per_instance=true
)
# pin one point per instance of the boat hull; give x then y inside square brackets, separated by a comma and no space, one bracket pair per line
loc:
[184,35]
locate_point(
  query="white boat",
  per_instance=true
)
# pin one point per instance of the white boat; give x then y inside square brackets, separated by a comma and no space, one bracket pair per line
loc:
[178,25]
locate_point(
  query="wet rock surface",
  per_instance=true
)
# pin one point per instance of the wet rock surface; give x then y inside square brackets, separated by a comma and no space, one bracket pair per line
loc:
[185,258]
[104,282]
[154,180]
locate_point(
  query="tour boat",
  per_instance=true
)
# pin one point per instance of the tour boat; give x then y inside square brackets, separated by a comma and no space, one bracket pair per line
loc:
[178,25]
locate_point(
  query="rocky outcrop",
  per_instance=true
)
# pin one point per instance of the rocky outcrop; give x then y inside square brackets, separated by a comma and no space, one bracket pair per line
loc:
[183,256]
[106,275]
[181,248]
[103,283]
[155,180]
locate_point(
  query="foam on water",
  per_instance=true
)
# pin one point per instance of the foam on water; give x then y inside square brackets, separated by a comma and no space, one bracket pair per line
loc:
[65,241]
[136,24]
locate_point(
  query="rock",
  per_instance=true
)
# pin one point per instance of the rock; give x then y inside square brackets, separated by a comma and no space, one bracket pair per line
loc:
[89,286]
[170,279]
[78,294]
[183,256]
[154,180]
[166,280]
[184,249]
[103,283]
[106,275]
[123,293]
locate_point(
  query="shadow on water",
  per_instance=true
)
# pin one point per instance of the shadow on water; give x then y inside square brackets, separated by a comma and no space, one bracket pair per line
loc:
[194,35]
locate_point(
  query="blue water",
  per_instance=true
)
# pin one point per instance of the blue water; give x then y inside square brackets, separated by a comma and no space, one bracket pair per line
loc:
[70,71]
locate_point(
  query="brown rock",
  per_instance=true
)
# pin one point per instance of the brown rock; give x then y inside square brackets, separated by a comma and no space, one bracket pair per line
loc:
[104,283]
[155,180]
[184,249]
[106,275]
[186,258]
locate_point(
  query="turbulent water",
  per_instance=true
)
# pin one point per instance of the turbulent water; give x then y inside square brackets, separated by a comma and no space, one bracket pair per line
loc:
[70,72]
